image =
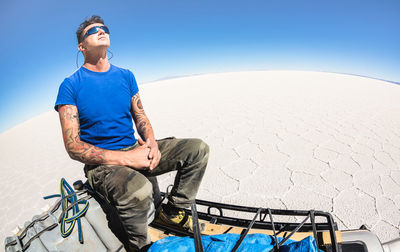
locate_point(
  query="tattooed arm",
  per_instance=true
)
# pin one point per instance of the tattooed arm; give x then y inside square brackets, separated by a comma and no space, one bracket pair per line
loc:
[145,130]
[90,154]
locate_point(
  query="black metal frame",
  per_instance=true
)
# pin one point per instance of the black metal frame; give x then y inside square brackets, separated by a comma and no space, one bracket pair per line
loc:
[259,221]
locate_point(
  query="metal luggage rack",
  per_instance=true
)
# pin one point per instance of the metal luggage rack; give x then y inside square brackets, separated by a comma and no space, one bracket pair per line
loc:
[308,224]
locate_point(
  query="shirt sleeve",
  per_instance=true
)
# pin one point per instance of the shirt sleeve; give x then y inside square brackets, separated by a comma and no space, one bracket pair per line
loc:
[132,84]
[65,95]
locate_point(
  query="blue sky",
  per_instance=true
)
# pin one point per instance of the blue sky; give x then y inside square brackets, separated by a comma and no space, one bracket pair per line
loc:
[163,38]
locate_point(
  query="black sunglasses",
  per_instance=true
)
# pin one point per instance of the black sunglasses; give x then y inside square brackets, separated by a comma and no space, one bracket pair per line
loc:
[95,29]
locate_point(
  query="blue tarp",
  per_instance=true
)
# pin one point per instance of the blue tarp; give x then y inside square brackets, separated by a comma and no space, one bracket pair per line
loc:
[226,242]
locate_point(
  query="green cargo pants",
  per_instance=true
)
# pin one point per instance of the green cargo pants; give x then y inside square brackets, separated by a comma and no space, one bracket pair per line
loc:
[131,192]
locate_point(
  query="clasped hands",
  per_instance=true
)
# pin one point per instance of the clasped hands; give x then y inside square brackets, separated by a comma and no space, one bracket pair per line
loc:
[149,150]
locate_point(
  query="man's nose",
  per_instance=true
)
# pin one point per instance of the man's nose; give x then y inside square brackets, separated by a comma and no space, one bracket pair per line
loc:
[101,31]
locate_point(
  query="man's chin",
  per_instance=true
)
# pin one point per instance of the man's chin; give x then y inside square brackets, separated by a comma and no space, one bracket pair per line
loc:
[103,46]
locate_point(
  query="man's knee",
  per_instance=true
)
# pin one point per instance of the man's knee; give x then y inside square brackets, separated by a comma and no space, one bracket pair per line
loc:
[203,146]
[199,149]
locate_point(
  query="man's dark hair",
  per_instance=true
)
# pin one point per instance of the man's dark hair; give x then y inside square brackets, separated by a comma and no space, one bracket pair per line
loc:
[92,20]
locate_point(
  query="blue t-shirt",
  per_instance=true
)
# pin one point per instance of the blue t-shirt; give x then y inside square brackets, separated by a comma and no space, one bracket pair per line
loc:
[103,100]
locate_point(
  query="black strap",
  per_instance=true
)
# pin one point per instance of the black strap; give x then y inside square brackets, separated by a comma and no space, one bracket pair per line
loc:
[273,228]
[294,231]
[166,195]
[243,235]
[26,245]
[42,218]
[196,230]
[314,227]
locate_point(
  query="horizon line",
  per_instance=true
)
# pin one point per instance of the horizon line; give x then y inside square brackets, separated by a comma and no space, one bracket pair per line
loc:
[264,70]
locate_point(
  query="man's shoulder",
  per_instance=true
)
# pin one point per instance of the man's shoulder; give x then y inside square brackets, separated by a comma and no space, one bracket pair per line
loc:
[71,79]
[123,71]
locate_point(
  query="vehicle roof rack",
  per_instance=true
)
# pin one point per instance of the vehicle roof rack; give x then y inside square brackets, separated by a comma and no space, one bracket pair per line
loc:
[259,221]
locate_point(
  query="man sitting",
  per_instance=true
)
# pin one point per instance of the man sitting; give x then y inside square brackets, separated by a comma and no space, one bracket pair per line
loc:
[97,105]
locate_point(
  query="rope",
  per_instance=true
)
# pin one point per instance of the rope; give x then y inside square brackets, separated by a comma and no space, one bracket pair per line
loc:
[69,200]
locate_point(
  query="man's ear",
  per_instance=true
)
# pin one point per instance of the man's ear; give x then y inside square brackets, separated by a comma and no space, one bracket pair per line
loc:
[81,47]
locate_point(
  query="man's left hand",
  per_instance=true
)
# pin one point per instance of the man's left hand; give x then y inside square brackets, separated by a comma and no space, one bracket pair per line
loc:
[155,154]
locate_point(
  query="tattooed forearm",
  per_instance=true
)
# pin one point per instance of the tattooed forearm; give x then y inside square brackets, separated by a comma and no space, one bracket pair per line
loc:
[142,128]
[81,151]
[78,150]
[142,123]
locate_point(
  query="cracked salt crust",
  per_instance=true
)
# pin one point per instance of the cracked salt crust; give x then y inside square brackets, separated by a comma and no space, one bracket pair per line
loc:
[290,139]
